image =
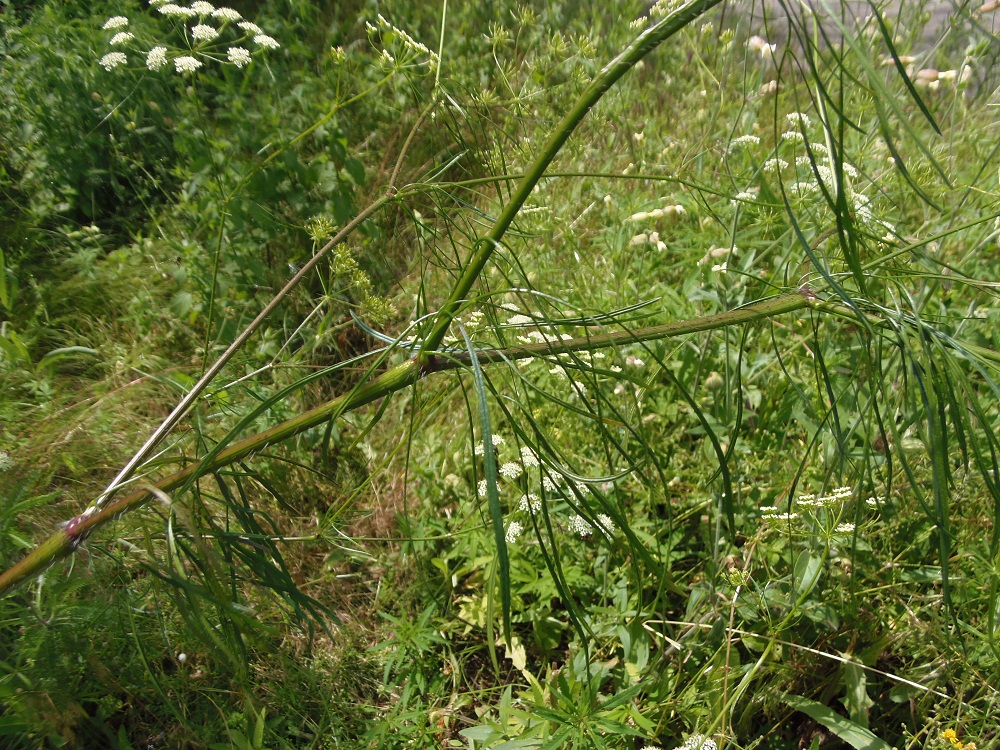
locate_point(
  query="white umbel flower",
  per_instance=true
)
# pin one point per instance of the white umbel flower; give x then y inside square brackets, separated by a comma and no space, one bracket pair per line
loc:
[226,14]
[781,516]
[187,64]
[250,27]
[238,57]
[112,60]
[171,9]
[799,118]
[698,742]
[758,44]
[115,22]
[156,58]
[519,320]
[513,532]
[266,41]
[497,441]
[511,470]
[580,526]
[530,504]
[121,37]
[202,8]
[204,33]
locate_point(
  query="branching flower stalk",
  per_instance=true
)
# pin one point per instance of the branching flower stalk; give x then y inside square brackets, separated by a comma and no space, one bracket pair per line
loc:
[611,73]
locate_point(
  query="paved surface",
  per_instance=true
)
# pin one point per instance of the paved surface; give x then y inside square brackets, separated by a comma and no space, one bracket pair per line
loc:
[774,18]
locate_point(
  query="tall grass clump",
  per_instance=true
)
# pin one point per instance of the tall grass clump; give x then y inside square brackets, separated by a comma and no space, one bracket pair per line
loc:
[550,377]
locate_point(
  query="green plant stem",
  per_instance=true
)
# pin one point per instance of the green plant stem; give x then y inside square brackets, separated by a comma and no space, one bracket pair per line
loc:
[189,399]
[187,402]
[645,43]
[322,121]
[409,141]
[64,541]
[885,324]
[777,306]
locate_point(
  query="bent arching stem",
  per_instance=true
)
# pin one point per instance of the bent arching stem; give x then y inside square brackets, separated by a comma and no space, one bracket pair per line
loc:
[428,360]
[68,538]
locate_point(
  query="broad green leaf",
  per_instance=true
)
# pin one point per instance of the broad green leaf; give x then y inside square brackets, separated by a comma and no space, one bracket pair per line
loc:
[853,734]
[492,493]
[478,734]
[856,699]
[12,725]
[808,567]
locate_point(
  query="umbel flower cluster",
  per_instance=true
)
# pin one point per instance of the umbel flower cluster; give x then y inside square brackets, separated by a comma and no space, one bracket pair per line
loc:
[409,52]
[698,742]
[553,484]
[823,513]
[209,35]
[809,168]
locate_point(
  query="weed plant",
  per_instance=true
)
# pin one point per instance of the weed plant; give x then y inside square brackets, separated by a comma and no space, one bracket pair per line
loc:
[637,403]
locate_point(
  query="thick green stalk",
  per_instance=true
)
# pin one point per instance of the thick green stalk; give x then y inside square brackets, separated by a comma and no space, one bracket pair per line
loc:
[777,306]
[886,323]
[645,43]
[67,539]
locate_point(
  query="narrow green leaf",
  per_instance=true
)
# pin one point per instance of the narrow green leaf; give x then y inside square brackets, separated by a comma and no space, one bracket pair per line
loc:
[4,297]
[258,730]
[12,725]
[66,353]
[492,494]
[558,738]
[854,735]
[880,92]
[901,69]
[728,508]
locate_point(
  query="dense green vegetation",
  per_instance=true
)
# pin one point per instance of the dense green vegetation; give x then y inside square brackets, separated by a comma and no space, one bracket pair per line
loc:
[670,423]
